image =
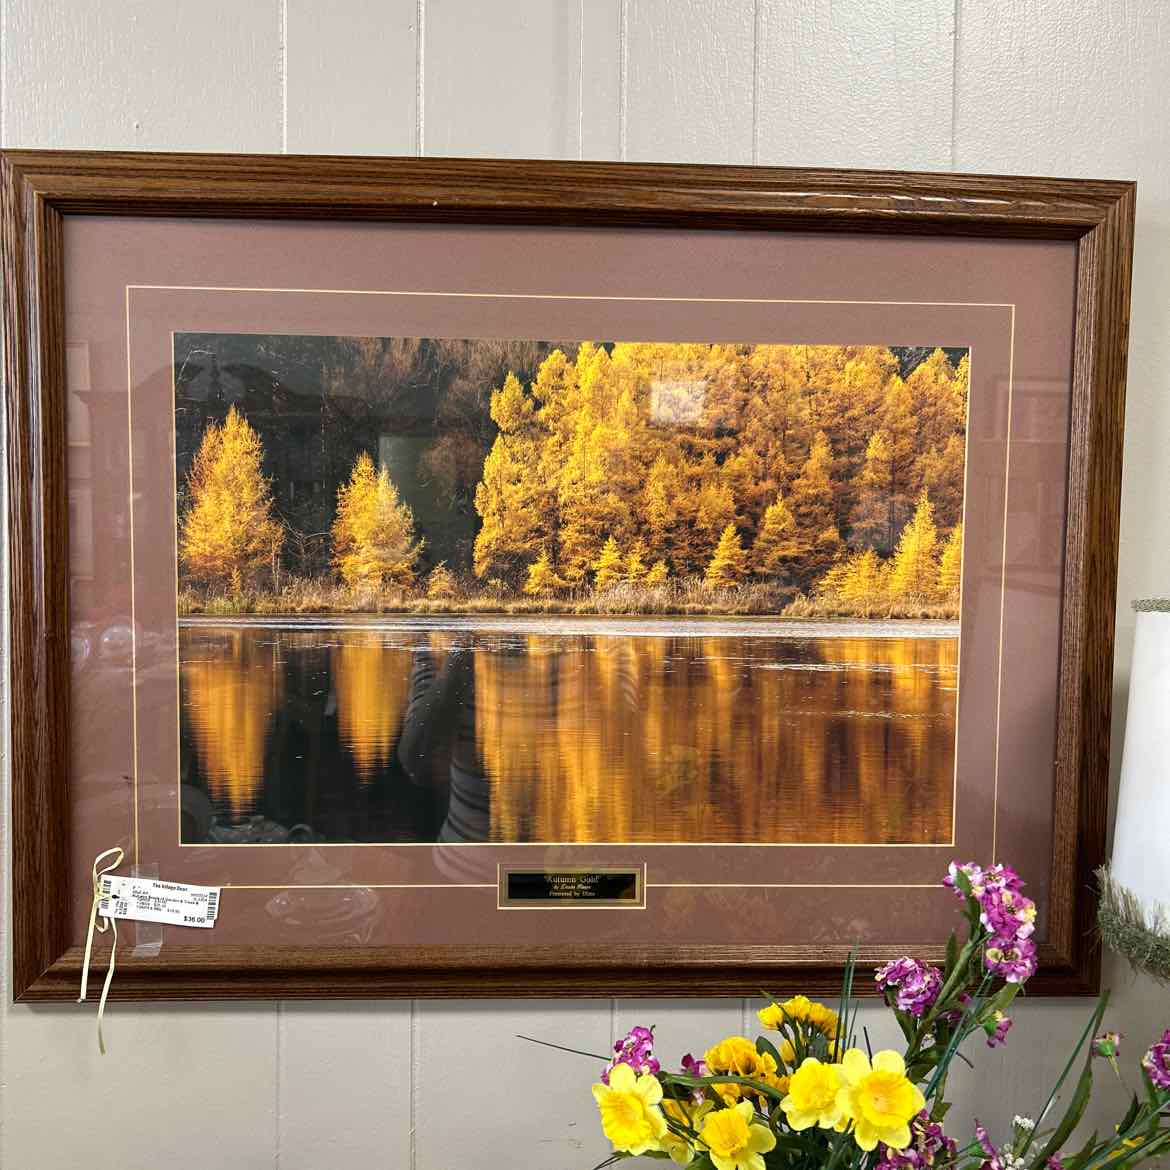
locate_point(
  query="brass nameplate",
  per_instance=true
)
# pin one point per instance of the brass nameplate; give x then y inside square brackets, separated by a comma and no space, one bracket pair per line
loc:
[603,887]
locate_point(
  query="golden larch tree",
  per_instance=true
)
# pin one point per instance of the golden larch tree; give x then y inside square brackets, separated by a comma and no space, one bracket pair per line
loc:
[914,569]
[940,471]
[775,545]
[863,582]
[729,562]
[229,537]
[901,436]
[636,562]
[542,577]
[373,531]
[811,500]
[507,496]
[950,565]
[872,488]
[658,574]
[609,567]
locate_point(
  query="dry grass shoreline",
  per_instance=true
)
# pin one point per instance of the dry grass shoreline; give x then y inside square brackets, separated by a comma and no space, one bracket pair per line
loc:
[675,598]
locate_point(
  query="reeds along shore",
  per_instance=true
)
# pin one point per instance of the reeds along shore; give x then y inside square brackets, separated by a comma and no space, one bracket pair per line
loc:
[691,596]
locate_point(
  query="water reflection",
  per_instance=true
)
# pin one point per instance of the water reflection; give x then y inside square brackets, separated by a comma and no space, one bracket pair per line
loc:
[400,735]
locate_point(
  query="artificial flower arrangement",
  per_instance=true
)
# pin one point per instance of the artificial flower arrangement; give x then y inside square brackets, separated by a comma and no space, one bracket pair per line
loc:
[805,1095]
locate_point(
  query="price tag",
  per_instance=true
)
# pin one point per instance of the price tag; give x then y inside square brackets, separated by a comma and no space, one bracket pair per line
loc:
[149,900]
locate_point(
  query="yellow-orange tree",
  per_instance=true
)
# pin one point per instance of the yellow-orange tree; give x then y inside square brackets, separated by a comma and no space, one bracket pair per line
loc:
[229,538]
[373,532]
[609,568]
[668,443]
[914,568]
[775,548]
[729,561]
[950,565]
[542,577]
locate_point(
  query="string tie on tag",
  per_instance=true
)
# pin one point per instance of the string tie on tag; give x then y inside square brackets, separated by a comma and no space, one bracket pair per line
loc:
[99,871]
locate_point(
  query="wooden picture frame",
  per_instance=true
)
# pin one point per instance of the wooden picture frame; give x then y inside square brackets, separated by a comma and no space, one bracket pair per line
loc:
[41,189]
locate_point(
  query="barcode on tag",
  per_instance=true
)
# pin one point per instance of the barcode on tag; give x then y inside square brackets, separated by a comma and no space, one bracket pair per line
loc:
[150,900]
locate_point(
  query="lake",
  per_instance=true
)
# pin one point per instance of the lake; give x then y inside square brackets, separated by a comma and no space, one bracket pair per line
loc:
[525,729]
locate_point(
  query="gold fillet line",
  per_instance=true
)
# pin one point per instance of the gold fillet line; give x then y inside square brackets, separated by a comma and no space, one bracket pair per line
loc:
[133,614]
[544,844]
[378,292]
[1007,484]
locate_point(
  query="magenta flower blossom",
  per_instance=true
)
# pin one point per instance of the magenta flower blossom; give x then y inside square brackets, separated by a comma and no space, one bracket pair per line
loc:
[1014,960]
[1008,915]
[1156,1062]
[695,1066]
[992,1159]
[635,1048]
[916,985]
[928,1145]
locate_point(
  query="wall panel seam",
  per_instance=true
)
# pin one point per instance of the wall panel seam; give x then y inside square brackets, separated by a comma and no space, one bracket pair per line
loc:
[756,20]
[420,26]
[956,19]
[282,66]
[623,78]
[277,1120]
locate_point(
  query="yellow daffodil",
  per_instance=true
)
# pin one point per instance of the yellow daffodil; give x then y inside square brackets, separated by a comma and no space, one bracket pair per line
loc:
[814,1096]
[738,1056]
[880,1098]
[799,1010]
[630,1115]
[675,1145]
[734,1141]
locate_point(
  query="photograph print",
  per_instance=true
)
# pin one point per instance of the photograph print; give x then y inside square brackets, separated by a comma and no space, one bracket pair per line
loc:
[514,592]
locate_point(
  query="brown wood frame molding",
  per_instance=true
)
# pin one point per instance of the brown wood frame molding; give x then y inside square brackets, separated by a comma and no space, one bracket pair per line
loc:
[39,188]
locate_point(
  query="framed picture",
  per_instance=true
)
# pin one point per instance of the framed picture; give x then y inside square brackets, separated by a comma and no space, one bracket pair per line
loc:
[555,578]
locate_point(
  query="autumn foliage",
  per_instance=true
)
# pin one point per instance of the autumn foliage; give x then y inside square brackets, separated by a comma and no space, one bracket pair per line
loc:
[373,534]
[229,538]
[727,463]
[830,474]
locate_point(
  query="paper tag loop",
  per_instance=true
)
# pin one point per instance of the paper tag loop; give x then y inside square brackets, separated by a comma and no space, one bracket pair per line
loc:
[99,871]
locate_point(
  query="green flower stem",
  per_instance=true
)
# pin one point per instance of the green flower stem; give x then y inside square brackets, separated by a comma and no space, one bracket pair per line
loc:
[960,1034]
[700,1082]
[1090,1028]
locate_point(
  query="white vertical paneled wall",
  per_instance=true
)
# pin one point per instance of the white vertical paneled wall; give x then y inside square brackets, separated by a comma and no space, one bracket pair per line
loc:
[1010,86]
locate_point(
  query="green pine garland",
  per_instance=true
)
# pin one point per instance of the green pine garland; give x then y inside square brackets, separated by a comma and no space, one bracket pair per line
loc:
[1127,928]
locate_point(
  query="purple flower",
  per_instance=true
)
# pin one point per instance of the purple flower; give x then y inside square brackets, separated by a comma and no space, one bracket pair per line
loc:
[636,1049]
[916,985]
[1005,912]
[1156,1062]
[695,1066]
[1054,1163]
[1014,960]
[997,1029]
[992,1159]
[927,1143]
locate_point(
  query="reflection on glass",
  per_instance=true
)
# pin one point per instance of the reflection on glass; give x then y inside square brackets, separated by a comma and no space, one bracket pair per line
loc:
[393,733]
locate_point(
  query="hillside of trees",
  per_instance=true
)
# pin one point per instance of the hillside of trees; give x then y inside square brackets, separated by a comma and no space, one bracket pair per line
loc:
[633,477]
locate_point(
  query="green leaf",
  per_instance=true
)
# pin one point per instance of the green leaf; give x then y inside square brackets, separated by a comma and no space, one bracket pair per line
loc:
[1082,1155]
[1089,1031]
[1072,1116]
[1135,1107]
[952,955]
